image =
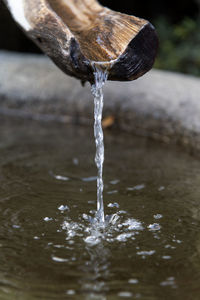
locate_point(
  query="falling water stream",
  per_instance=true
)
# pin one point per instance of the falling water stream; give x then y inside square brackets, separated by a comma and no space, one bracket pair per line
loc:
[100,77]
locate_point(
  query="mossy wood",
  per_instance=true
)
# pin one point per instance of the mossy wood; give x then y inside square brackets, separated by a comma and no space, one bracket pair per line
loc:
[77,33]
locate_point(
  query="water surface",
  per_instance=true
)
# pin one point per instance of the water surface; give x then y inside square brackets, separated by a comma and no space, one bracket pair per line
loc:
[48,248]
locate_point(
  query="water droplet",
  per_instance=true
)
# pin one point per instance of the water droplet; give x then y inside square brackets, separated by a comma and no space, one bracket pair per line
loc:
[16,226]
[112,192]
[47,219]
[89,179]
[123,237]
[71,242]
[63,208]
[133,281]
[136,188]
[169,247]
[146,253]
[122,212]
[112,219]
[177,241]
[156,236]
[59,177]
[166,257]
[92,240]
[133,224]
[161,188]
[112,205]
[75,161]
[158,216]
[154,227]
[85,217]
[114,181]
[168,282]
[58,246]
[59,259]
[125,294]
[70,292]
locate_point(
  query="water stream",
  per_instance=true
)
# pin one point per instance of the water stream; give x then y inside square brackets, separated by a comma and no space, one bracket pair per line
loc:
[100,77]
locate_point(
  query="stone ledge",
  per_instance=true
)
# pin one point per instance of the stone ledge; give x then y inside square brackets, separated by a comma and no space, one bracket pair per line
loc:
[162,105]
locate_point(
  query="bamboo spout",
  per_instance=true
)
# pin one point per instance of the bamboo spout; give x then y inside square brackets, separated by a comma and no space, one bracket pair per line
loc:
[77,33]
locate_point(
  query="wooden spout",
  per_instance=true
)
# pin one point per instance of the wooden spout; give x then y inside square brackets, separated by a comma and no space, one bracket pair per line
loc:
[77,33]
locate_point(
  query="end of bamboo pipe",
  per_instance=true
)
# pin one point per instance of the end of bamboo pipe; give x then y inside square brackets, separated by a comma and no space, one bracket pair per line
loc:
[75,34]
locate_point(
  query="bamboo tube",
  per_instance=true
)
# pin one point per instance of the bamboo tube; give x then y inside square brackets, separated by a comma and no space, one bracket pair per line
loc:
[75,34]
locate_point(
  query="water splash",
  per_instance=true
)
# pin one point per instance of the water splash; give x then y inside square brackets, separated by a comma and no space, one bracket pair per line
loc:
[100,77]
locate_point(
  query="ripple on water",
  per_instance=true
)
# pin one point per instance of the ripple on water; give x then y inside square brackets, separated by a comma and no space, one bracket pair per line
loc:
[52,246]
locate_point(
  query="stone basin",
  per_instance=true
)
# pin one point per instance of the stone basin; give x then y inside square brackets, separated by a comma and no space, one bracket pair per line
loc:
[161,105]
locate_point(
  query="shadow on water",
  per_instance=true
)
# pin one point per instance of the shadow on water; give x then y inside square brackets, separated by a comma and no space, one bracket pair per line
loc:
[48,247]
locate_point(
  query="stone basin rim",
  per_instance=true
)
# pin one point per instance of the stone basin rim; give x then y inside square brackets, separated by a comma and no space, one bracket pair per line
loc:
[161,105]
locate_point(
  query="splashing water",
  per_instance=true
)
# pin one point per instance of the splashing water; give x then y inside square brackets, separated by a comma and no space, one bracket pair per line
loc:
[100,77]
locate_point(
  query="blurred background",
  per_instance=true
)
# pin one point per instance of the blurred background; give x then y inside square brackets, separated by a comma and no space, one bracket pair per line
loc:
[177,23]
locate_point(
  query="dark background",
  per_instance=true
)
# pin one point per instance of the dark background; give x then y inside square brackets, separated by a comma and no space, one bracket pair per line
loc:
[177,23]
